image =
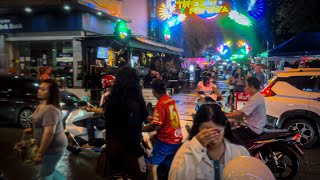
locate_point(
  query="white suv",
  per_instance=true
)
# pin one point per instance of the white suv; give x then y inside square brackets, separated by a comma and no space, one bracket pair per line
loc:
[293,99]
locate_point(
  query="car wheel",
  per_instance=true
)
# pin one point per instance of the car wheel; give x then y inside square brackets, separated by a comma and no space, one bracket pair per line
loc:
[24,118]
[307,132]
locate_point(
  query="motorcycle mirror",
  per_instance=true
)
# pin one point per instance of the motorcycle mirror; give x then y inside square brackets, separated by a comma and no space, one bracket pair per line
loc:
[82,103]
[223,92]
[69,102]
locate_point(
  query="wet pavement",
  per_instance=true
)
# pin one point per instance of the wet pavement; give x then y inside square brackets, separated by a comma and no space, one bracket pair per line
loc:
[82,166]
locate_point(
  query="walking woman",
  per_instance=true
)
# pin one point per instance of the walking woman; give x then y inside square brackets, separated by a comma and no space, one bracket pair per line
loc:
[48,130]
[125,111]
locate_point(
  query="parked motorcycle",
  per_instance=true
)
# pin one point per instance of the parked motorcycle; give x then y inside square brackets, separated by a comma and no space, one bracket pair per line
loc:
[76,129]
[277,149]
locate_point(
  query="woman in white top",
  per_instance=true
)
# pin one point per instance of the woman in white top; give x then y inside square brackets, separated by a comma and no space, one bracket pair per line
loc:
[208,88]
[211,145]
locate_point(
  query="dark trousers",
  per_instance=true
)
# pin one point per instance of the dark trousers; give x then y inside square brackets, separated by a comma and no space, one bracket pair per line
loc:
[244,134]
[90,123]
[122,162]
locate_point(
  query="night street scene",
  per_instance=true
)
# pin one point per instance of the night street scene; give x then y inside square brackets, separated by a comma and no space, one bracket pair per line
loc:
[159,89]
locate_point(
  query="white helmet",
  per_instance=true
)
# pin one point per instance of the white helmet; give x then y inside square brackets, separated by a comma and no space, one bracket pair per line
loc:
[244,167]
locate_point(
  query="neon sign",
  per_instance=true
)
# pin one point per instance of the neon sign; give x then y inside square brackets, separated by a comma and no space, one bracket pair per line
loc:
[173,12]
[203,6]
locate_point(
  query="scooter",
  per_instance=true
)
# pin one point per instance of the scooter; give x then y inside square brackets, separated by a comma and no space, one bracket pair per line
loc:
[76,129]
[278,150]
[208,98]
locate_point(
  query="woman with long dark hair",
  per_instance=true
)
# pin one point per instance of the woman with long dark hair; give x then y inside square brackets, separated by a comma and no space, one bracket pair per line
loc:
[48,130]
[125,111]
[211,145]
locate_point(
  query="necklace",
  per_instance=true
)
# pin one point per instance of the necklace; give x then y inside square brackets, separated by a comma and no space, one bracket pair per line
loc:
[221,155]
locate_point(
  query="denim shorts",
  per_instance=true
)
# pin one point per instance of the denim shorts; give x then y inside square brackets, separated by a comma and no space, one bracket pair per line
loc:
[163,152]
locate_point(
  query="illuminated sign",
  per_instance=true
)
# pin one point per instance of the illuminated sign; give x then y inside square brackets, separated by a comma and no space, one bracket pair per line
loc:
[174,11]
[202,6]
[6,24]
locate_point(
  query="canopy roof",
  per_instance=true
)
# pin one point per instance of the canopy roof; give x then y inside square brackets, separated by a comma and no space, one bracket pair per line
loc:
[303,44]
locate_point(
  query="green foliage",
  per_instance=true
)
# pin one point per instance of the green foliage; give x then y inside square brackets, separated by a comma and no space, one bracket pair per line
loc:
[287,18]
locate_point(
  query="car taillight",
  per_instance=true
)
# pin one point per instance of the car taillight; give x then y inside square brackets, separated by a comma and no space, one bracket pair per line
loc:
[267,92]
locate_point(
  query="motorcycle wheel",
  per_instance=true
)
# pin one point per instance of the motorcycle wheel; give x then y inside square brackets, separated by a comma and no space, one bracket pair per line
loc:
[288,162]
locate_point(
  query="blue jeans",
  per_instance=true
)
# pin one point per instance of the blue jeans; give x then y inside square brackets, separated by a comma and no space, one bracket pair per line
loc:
[48,167]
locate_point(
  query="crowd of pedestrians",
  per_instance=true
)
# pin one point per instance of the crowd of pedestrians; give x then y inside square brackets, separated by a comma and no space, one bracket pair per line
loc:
[208,149]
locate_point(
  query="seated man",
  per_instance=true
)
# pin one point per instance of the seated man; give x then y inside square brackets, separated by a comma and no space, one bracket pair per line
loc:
[253,113]
[167,124]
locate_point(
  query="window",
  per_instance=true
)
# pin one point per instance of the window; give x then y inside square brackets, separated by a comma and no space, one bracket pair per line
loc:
[25,89]
[304,83]
[5,88]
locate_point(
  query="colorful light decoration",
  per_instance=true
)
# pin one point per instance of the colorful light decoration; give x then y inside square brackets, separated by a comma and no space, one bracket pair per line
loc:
[255,8]
[240,18]
[176,19]
[224,49]
[121,30]
[165,12]
[242,51]
[167,33]
[207,9]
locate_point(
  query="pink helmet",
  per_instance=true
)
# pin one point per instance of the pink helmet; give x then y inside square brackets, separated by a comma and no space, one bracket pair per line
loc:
[107,81]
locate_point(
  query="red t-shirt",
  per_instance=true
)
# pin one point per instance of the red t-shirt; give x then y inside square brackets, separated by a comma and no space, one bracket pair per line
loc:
[167,117]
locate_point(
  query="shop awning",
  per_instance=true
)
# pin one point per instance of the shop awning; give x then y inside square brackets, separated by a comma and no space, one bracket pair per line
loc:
[303,44]
[134,43]
[145,44]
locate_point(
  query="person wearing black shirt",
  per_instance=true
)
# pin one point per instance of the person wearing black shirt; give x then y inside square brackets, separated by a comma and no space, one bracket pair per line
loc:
[125,111]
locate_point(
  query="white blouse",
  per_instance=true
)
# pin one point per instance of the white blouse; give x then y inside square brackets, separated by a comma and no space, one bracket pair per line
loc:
[191,162]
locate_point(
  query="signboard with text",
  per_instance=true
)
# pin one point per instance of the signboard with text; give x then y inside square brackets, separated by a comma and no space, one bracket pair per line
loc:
[8,24]
[240,99]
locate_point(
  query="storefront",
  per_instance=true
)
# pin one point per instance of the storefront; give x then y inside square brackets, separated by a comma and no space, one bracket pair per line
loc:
[47,37]
[77,43]
[105,54]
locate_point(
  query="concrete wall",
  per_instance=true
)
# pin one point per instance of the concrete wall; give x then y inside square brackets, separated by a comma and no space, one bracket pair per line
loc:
[137,11]
[4,63]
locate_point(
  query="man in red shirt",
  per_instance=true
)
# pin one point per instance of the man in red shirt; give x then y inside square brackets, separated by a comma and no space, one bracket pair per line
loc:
[167,124]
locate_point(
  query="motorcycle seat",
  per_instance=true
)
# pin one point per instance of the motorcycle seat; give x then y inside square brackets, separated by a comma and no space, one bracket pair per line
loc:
[273,135]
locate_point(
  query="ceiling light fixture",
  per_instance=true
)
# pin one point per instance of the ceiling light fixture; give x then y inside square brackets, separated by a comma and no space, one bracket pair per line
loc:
[66,7]
[28,9]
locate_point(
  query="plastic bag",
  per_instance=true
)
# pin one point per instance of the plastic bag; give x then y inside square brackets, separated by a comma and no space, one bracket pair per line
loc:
[25,149]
